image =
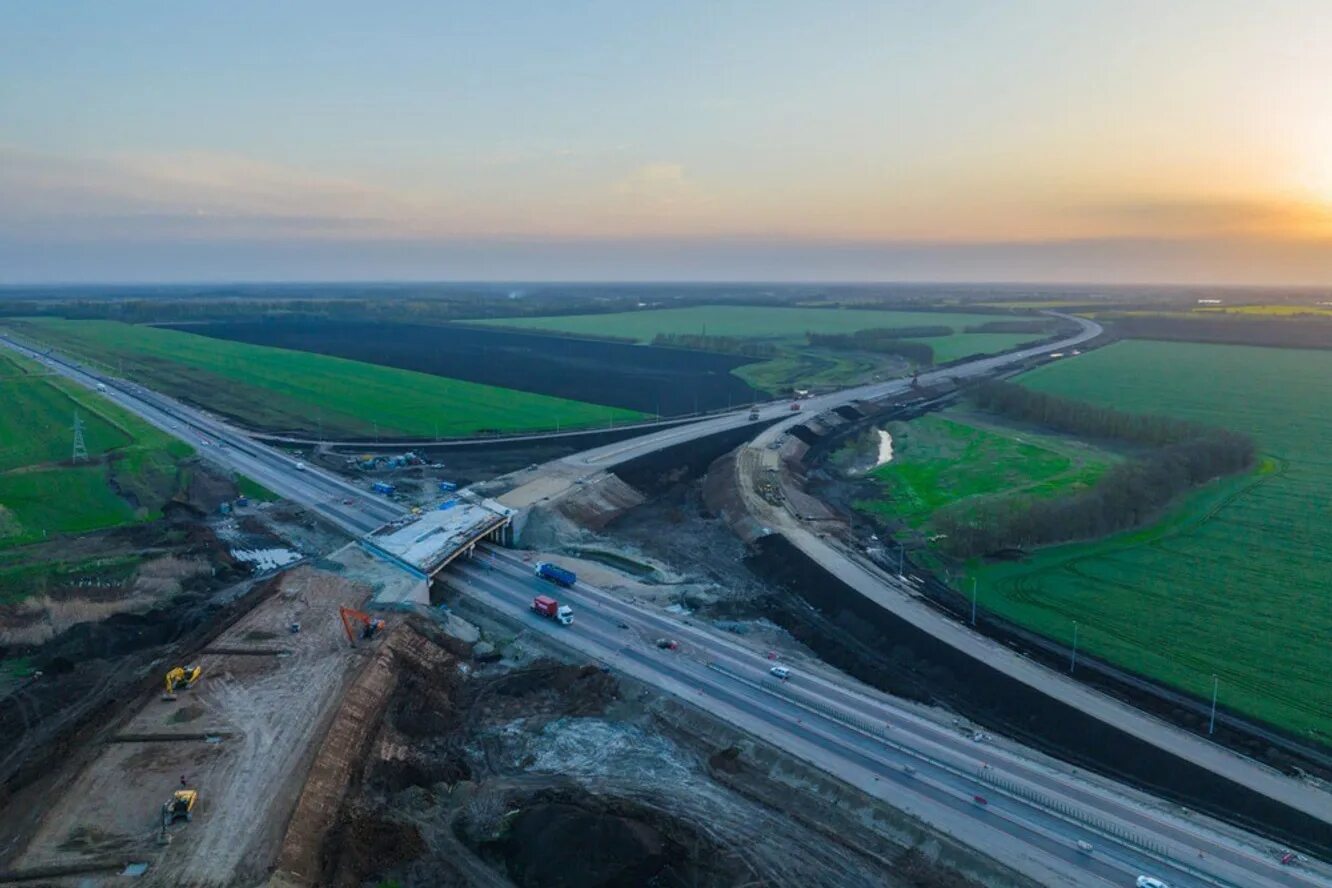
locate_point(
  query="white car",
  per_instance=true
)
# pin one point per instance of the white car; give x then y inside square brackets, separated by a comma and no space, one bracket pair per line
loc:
[1151,882]
[781,672]
[300,467]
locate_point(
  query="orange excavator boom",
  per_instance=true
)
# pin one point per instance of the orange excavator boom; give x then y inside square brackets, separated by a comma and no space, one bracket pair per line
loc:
[368,626]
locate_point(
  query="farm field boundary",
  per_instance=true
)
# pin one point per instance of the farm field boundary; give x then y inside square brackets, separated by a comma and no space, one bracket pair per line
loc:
[652,380]
[1232,583]
[283,390]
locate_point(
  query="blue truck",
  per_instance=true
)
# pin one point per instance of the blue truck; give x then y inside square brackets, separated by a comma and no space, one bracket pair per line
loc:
[555,574]
[383,487]
[447,487]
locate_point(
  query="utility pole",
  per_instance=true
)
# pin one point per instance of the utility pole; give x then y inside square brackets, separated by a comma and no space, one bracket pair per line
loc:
[973,602]
[1073,661]
[80,448]
[1211,722]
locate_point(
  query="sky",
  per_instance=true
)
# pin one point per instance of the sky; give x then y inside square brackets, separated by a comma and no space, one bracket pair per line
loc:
[1118,142]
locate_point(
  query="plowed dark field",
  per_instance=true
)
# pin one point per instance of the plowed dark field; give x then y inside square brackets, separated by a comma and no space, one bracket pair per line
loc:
[639,377]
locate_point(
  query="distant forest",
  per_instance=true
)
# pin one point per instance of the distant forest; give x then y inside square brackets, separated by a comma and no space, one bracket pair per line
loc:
[884,341]
[1182,456]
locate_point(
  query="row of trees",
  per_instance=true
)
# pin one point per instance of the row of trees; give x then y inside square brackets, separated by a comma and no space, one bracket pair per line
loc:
[880,341]
[1130,494]
[1032,326]
[730,345]
[1081,418]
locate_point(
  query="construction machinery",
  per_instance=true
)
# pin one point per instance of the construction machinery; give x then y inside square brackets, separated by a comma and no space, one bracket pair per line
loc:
[181,804]
[181,678]
[358,624]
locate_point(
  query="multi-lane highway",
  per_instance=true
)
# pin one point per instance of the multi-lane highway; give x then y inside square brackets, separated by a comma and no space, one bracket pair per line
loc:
[1023,812]
[599,458]
[342,503]
[1031,817]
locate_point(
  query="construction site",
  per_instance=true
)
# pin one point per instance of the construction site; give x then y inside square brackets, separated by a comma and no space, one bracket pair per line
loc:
[416,707]
[312,744]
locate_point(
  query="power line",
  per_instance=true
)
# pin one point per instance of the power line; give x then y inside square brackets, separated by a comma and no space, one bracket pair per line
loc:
[80,448]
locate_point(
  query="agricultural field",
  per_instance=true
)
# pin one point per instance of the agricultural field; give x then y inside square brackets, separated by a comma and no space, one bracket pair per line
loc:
[1234,581]
[954,457]
[666,381]
[132,467]
[1284,310]
[796,364]
[281,389]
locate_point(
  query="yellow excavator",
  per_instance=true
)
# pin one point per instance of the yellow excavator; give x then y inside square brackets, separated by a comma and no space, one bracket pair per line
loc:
[181,677]
[181,804]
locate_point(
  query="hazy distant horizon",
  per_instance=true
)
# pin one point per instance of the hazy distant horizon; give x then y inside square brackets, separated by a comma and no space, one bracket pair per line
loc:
[1118,262]
[1105,142]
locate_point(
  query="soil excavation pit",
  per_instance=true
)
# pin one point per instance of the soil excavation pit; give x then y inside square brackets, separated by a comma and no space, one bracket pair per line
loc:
[273,711]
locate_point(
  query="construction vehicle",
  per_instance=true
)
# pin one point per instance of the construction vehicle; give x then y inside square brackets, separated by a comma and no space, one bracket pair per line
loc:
[552,610]
[181,678]
[369,626]
[556,574]
[181,804]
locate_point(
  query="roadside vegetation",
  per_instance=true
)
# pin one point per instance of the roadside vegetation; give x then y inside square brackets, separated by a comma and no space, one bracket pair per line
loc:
[283,390]
[957,461]
[1232,580]
[1180,457]
[131,469]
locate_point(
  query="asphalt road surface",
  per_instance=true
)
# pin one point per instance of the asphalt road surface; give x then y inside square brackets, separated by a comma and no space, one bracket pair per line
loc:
[614,454]
[347,506]
[946,774]
[1032,816]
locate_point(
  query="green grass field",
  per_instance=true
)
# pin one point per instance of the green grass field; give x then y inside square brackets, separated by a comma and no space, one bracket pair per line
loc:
[796,364]
[953,457]
[280,389]
[41,493]
[1235,580]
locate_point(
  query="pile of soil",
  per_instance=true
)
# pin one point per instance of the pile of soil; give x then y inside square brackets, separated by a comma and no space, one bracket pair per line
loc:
[563,844]
[567,836]
[361,842]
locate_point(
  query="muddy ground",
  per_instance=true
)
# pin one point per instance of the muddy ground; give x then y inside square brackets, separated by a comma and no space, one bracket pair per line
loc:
[243,737]
[88,647]
[534,772]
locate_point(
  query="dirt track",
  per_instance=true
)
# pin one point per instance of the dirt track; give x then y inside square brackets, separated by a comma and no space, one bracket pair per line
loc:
[269,711]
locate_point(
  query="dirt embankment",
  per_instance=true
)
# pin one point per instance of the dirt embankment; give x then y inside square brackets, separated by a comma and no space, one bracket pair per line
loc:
[557,774]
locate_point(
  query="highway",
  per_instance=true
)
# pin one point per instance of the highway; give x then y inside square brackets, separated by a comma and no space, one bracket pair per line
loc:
[729,680]
[1032,817]
[611,455]
[345,505]
[895,595]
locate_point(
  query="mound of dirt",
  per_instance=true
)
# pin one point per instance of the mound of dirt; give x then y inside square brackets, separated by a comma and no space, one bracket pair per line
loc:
[363,844]
[563,844]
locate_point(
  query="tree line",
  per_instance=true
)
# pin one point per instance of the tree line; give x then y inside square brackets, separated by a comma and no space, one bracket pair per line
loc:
[1032,326]
[730,345]
[1184,456]
[882,340]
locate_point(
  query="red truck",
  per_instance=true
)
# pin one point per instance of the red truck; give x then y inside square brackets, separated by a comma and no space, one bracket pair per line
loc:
[552,610]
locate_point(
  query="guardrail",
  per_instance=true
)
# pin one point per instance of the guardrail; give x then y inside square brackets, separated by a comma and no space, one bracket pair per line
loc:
[1061,808]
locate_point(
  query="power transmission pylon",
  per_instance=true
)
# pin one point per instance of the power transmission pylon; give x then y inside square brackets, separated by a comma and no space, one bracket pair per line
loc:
[80,448]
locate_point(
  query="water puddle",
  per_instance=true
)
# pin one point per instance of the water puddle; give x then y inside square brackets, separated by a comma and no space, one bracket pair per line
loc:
[885,449]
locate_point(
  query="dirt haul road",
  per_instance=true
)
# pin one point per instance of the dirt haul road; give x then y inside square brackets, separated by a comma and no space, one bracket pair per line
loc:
[243,737]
